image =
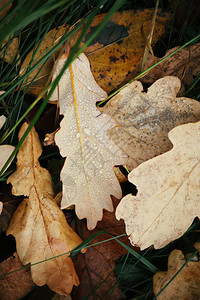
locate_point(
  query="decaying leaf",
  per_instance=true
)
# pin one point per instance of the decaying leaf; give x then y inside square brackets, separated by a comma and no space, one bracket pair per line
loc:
[120,45]
[16,285]
[185,64]
[113,54]
[39,226]
[9,205]
[186,284]
[7,5]
[5,150]
[9,49]
[144,119]
[96,268]
[87,176]
[168,192]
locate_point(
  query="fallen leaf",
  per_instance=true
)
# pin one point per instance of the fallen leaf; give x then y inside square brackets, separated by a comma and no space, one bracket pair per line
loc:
[120,45]
[39,226]
[7,5]
[9,205]
[168,192]
[1,207]
[61,297]
[144,119]
[16,285]
[87,175]
[5,150]
[113,54]
[185,64]
[9,47]
[98,263]
[2,117]
[186,284]
[9,50]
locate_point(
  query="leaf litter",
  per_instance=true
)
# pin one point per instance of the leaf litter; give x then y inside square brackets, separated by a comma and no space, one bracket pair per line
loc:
[41,205]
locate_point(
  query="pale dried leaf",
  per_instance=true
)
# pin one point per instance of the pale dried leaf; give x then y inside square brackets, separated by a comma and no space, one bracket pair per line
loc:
[87,176]
[5,150]
[2,118]
[186,284]
[144,119]
[1,207]
[39,226]
[168,192]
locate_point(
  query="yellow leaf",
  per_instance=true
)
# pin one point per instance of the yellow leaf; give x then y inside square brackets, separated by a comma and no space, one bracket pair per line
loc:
[113,54]
[87,176]
[39,226]
[144,119]
[186,284]
[168,192]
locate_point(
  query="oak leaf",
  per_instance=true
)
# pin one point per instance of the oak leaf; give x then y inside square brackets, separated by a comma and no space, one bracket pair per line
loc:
[144,119]
[184,64]
[39,226]
[96,267]
[185,285]
[168,192]
[87,175]
[9,206]
[113,53]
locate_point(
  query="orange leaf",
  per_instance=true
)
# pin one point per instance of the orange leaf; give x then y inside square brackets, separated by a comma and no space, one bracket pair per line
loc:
[39,226]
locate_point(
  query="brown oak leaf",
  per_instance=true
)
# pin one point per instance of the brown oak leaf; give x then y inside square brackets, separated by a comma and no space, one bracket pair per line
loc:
[185,285]
[39,226]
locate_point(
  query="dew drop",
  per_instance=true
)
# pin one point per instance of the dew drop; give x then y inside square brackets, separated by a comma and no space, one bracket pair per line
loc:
[87,131]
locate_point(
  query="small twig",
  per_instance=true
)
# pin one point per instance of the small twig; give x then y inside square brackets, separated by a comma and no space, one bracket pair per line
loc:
[149,38]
